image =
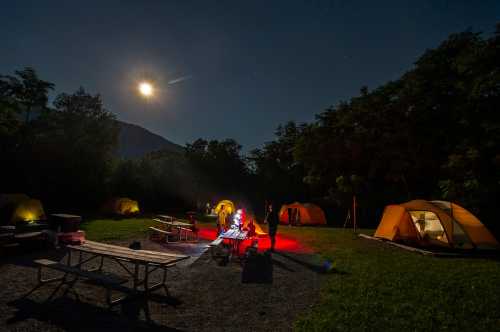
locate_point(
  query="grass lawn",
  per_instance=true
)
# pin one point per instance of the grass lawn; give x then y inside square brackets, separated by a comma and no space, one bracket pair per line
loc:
[120,229]
[385,288]
[378,287]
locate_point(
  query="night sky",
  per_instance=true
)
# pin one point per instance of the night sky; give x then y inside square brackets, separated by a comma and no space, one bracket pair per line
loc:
[237,69]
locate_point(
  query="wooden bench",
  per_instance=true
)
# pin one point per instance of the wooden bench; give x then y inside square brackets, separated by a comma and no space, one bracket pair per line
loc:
[214,248]
[188,231]
[163,232]
[108,281]
[165,217]
[162,221]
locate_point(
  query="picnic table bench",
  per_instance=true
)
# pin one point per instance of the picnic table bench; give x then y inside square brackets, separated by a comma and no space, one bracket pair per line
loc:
[150,261]
[170,222]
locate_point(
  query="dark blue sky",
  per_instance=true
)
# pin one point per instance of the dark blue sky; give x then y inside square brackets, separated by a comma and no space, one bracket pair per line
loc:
[251,65]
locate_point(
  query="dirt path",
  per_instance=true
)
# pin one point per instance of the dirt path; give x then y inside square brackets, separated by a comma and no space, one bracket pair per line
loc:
[207,297]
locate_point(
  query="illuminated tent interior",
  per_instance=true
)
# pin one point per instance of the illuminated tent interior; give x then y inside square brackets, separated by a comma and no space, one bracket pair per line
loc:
[302,214]
[434,223]
[258,229]
[121,206]
[225,204]
[20,208]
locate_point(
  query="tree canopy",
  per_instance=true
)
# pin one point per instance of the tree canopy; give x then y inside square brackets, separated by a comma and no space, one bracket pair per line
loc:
[434,133]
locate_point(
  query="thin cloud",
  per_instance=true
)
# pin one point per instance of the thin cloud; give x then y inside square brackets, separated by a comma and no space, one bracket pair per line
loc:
[179,79]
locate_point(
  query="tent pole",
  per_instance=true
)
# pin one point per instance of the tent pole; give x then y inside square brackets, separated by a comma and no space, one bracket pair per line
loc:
[354,212]
[347,217]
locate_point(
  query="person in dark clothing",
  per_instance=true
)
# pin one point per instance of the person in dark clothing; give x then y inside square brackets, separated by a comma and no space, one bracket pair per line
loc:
[272,220]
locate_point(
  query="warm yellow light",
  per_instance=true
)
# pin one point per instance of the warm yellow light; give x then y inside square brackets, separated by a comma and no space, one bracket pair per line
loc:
[146,89]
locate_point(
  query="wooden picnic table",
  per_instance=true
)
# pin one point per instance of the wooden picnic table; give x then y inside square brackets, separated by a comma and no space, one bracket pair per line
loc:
[235,236]
[150,261]
[170,221]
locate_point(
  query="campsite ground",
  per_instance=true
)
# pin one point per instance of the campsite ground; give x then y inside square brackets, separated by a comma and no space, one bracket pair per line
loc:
[374,287]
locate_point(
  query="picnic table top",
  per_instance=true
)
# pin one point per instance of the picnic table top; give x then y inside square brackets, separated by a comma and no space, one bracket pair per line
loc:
[164,216]
[174,223]
[138,256]
[64,215]
[234,234]
[180,223]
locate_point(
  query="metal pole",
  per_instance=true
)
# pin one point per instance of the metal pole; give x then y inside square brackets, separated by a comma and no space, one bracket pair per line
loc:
[354,211]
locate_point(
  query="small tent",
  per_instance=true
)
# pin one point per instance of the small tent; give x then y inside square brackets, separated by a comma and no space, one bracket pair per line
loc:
[301,214]
[434,223]
[20,207]
[225,205]
[121,206]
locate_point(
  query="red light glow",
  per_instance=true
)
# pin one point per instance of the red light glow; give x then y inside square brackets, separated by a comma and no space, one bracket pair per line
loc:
[283,242]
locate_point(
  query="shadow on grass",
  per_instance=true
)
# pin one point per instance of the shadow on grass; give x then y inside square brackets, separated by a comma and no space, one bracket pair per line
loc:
[307,263]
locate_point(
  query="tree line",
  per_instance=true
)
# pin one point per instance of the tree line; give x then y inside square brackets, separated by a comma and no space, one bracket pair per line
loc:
[434,133]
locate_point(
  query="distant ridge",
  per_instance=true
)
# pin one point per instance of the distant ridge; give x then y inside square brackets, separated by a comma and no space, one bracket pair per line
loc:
[135,141]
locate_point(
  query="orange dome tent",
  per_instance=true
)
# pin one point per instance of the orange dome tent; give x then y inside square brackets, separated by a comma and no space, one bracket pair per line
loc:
[302,214]
[434,223]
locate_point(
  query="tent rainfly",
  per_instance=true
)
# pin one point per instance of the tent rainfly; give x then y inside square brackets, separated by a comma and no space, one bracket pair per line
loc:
[434,223]
[301,214]
[225,205]
[20,208]
[121,206]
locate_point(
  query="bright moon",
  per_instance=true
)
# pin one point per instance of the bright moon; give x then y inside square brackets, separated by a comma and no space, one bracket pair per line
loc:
[146,89]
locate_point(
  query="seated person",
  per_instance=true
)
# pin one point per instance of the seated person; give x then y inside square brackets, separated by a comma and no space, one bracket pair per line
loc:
[193,226]
[250,228]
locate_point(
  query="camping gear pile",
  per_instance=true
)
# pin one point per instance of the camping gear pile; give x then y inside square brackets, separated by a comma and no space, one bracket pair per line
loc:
[66,229]
[434,223]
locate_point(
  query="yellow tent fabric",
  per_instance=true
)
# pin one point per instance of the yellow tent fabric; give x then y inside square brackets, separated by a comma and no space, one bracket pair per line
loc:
[476,231]
[122,206]
[225,204]
[20,207]
[302,214]
[29,210]
[439,223]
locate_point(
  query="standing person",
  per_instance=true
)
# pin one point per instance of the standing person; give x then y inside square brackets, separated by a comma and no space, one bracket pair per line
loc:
[272,220]
[221,220]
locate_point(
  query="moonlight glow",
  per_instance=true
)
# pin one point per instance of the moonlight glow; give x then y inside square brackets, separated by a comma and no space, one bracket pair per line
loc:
[146,89]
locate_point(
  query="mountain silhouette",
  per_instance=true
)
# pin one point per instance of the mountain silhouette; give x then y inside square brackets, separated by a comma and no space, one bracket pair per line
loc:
[135,141]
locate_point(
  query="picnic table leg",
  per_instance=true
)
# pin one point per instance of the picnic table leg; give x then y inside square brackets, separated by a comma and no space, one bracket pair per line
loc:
[146,279]
[101,264]
[41,282]
[136,276]
[63,281]
[165,281]
[69,257]
[70,287]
